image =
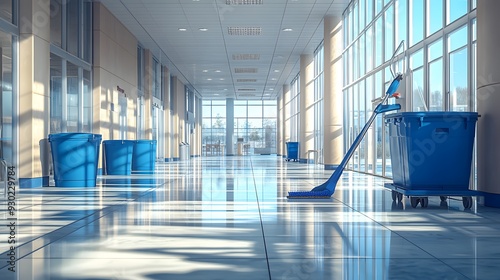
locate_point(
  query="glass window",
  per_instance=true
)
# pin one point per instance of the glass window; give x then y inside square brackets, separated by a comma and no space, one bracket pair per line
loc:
[435,76]
[459,73]
[362,15]
[87,31]
[416,21]
[417,81]
[402,22]
[379,27]
[455,9]
[56,22]
[8,91]
[435,50]
[457,39]
[56,94]
[6,10]
[434,16]
[72,98]
[87,102]
[369,49]
[389,32]
[378,6]
[73,27]
[355,20]
[255,111]
[436,85]
[369,11]
[270,111]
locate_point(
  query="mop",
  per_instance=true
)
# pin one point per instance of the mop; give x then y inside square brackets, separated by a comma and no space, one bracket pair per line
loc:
[326,189]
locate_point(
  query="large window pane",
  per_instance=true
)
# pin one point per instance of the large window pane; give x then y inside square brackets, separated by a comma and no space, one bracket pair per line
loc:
[434,16]
[459,92]
[402,21]
[87,31]
[436,85]
[73,27]
[416,21]
[389,32]
[87,102]
[436,76]
[72,98]
[6,10]
[455,9]
[369,11]
[56,22]
[7,91]
[55,94]
[379,52]
[457,39]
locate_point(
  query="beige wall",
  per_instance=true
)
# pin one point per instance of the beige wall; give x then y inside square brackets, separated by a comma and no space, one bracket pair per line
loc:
[115,65]
[34,100]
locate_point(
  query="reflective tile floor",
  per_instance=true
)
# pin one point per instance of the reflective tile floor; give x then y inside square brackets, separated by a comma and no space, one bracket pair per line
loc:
[228,218]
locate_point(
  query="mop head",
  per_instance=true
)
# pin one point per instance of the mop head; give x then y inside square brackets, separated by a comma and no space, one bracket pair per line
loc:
[310,194]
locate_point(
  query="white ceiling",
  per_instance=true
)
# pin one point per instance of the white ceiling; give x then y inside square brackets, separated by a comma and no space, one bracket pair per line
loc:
[204,59]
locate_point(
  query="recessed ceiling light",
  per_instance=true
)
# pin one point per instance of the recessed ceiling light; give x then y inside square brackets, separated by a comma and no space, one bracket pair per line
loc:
[267,94]
[205,71]
[286,29]
[182,29]
[209,79]
[274,79]
[222,79]
[218,71]
[276,71]
[271,89]
[216,94]
[203,29]
[225,89]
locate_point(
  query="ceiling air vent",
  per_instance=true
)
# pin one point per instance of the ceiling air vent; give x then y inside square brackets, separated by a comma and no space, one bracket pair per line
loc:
[246,56]
[246,89]
[244,2]
[246,80]
[246,95]
[245,70]
[244,31]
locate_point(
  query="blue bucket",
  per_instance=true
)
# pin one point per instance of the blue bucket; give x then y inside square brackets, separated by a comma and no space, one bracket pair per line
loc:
[144,156]
[75,158]
[118,157]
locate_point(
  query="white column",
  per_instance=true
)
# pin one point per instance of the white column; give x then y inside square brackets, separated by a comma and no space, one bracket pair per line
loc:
[488,101]
[306,122]
[229,126]
[333,150]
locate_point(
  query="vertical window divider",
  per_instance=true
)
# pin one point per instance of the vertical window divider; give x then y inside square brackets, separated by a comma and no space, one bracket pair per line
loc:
[64,96]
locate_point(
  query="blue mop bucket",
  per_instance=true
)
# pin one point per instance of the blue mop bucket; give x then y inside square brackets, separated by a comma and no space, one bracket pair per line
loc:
[75,158]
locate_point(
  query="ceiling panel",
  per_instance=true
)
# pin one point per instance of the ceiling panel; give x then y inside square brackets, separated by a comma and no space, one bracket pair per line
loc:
[194,56]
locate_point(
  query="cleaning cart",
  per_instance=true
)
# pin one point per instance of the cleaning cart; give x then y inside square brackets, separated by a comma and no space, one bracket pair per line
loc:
[431,155]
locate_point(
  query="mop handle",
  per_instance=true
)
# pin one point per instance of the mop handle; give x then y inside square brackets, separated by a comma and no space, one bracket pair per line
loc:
[390,91]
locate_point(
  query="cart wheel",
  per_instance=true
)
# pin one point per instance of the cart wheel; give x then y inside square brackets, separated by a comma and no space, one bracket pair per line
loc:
[443,198]
[400,197]
[467,202]
[424,201]
[414,201]
[394,195]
